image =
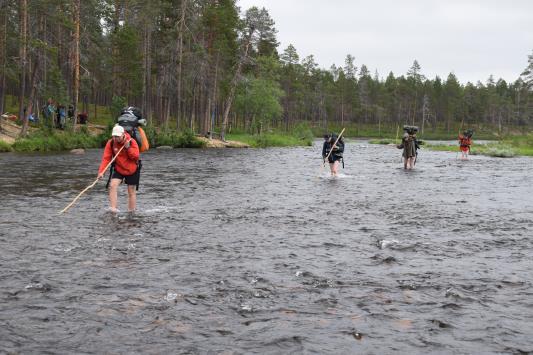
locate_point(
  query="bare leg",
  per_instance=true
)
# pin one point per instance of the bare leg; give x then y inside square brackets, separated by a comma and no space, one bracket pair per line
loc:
[409,163]
[334,167]
[113,195]
[405,160]
[132,198]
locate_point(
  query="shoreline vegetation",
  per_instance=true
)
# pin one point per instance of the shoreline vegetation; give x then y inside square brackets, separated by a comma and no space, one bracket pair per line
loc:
[44,139]
[509,143]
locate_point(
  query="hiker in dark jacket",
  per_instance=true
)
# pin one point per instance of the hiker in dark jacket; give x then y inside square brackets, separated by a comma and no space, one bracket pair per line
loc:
[410,145]
[334,153]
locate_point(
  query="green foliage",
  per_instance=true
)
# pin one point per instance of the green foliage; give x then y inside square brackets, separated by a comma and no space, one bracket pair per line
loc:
[270,140]
[117,104]
[499,150]
[383,141]
[304,133]
[259,98]
[44,141]
[4,147]
[185,139]
[128,60]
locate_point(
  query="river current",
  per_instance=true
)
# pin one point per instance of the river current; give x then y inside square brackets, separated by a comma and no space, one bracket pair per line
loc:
[259,251]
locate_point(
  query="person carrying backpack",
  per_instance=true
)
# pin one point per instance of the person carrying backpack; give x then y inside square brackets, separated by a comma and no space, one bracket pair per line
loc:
[465,141]
[333,152]
[126,167]
[410,146]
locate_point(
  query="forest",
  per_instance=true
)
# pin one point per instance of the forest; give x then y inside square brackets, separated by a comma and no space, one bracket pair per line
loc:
[207,65]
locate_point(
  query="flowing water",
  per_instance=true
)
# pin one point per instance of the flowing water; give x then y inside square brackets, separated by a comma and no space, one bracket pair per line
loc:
[258,251]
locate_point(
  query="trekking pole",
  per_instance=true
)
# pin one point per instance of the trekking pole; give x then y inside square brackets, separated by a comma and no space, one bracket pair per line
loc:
[94,183]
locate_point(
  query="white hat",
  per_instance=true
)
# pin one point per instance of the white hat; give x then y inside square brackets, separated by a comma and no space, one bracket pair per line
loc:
[118,131]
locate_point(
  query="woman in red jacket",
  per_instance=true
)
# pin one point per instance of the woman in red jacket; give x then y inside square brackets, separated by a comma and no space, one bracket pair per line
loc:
[465,141]
[124,168]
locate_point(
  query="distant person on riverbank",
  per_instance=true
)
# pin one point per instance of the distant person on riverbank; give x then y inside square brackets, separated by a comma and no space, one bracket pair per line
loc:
[70,114]
[465,141]
[61,117]
[410,146]
[126,167]
[333,152]
[49,111]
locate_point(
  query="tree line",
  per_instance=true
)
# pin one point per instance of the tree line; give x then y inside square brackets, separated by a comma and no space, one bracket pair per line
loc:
[210,66]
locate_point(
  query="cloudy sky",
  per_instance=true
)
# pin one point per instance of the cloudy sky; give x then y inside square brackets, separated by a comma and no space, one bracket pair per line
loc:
[472,38]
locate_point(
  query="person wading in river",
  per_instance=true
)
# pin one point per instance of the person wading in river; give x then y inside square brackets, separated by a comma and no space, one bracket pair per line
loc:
[409,145]
[333,152]
[465,141]
[126,166]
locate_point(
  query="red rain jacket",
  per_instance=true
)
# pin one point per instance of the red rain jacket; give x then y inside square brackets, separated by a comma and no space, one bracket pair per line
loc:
[126,161]
[464,143]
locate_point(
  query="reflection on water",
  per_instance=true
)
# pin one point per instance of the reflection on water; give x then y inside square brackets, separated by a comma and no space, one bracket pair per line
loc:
[259,251]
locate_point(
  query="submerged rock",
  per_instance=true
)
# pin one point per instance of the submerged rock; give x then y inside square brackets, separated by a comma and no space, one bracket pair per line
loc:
[77,151]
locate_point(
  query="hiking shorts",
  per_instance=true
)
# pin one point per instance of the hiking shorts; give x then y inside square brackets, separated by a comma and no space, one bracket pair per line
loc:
[132,179]
[333,158]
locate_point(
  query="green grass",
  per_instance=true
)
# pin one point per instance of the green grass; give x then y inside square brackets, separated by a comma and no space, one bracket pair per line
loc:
[382,141]
[301,135]
[270,140]
[185,139]
[4,147]
[49,141]
[501,150]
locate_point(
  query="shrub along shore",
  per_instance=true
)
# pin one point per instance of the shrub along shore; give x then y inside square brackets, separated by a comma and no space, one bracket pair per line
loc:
[41,139]
[52,140]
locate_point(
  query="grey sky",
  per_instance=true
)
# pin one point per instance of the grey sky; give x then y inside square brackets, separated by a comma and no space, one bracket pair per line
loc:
[472,38]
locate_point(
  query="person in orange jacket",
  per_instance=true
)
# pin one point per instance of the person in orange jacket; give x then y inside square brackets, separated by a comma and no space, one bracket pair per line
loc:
[126,166]
[465,141]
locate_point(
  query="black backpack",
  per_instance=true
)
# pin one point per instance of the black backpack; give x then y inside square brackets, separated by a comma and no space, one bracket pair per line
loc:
[130,118]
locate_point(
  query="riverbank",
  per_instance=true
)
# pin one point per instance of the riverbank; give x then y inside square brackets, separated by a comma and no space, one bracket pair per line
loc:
[95,136]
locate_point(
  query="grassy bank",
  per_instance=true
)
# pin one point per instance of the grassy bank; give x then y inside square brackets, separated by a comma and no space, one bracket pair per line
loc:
[47,140]
[50,140]
[53,140]
[4,147]
[270,140]
[185,139]
[301,135]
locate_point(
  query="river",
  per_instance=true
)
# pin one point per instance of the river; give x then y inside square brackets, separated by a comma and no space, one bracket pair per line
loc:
[258,251]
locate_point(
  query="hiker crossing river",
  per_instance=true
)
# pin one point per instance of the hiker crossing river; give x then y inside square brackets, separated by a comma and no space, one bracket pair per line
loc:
[246,251]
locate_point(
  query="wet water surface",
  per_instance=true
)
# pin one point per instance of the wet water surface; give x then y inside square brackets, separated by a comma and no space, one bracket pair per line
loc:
[257,251]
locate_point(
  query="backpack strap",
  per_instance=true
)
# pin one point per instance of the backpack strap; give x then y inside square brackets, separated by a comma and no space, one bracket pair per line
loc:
[138,172]
[112,167]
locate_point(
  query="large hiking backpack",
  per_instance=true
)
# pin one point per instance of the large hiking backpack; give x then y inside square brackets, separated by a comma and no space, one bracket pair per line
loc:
[131,119]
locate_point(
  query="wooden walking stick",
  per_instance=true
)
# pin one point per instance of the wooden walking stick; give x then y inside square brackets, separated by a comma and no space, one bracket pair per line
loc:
[95,181]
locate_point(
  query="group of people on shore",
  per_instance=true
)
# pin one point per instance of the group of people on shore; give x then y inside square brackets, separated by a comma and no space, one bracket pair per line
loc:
[56,115]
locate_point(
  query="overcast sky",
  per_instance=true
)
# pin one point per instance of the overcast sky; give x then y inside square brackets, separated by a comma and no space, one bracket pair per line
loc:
[472,38]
